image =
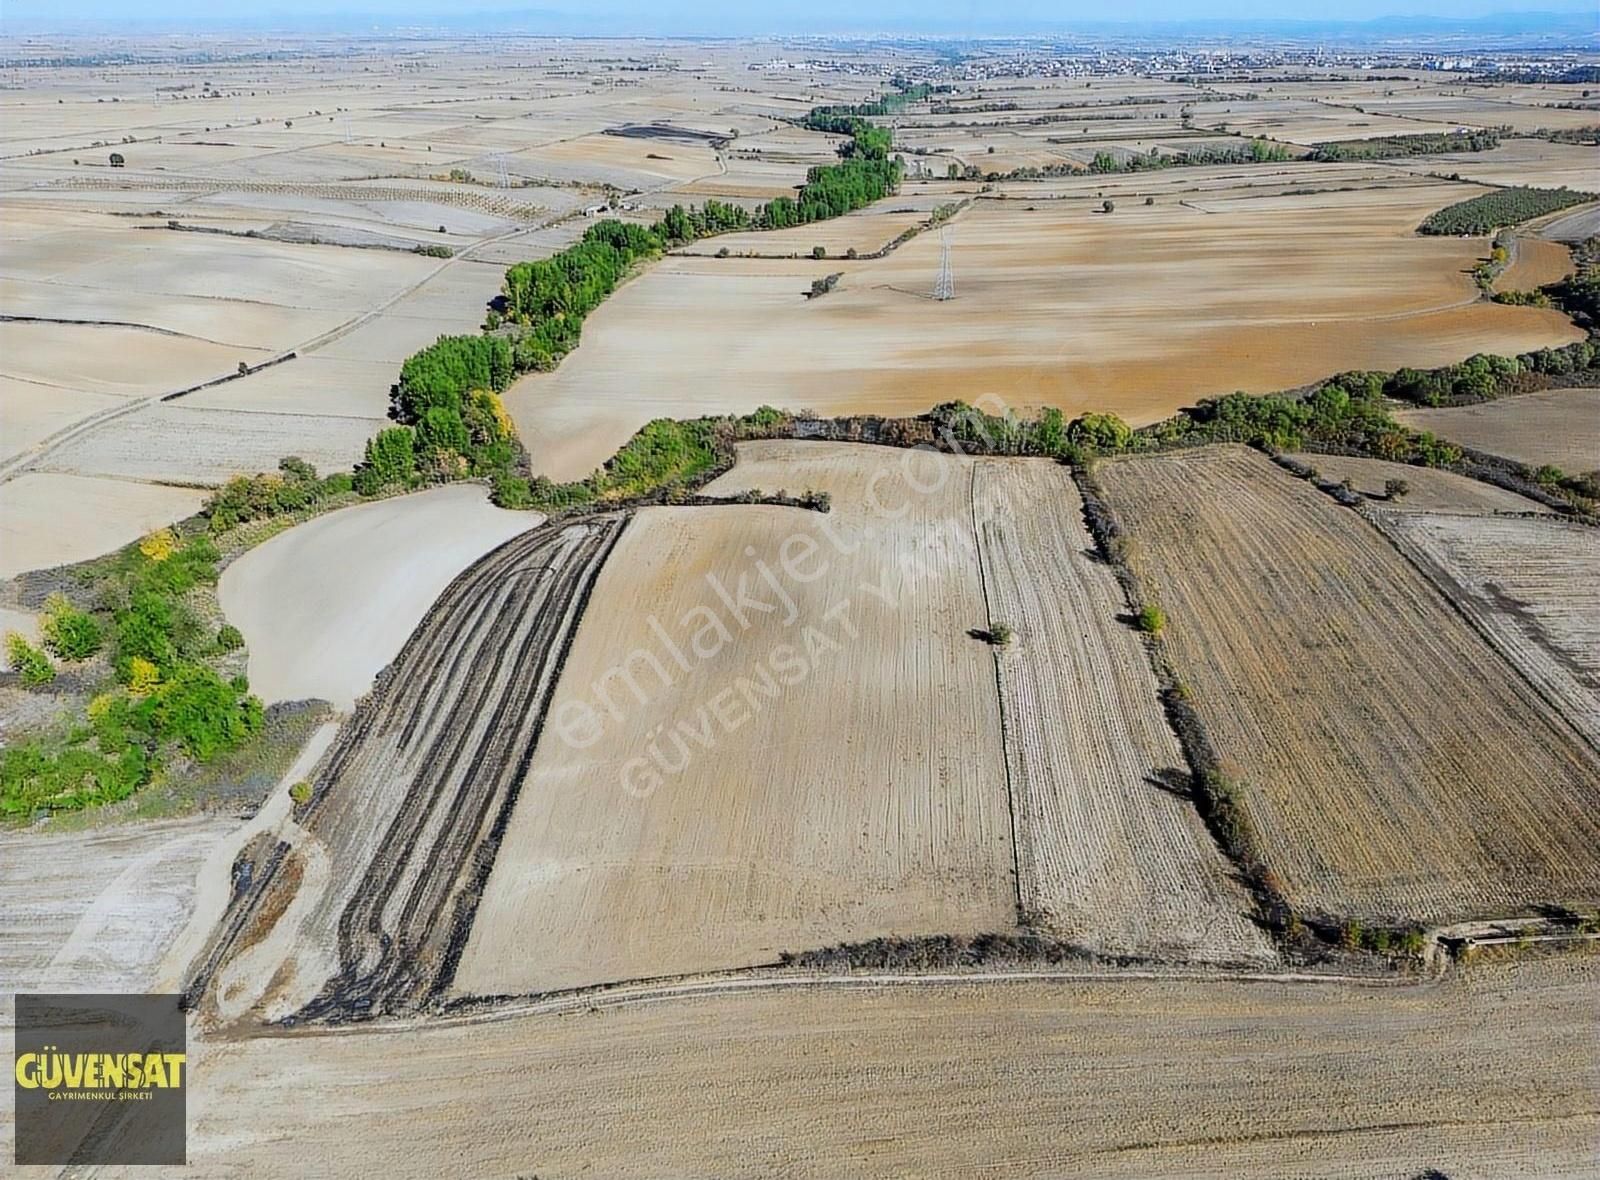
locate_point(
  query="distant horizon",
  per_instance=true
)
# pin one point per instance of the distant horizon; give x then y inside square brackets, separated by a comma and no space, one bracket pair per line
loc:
[632,18]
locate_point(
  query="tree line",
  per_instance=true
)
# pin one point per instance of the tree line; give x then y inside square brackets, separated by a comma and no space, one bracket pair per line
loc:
[1481,215]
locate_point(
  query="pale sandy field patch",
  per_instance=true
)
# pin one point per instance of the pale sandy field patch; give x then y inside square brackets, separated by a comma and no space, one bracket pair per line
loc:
[116,360]
[1560,427]
[50,519]
[327,605]
[854,786]
[31,412]
[179,443]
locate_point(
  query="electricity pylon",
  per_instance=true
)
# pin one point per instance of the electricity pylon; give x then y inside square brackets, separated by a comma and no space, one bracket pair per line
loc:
[945,286]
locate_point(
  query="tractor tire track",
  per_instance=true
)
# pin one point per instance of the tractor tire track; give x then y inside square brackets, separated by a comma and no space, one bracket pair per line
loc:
[417,787]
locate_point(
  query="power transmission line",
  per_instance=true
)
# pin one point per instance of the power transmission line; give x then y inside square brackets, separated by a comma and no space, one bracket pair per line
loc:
[945,286]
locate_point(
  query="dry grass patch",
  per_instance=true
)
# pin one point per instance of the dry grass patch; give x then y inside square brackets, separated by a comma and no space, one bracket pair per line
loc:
[1429,488]
[1393,764]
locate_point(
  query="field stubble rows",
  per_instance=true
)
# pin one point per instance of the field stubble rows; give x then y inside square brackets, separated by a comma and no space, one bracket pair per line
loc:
[1394,766]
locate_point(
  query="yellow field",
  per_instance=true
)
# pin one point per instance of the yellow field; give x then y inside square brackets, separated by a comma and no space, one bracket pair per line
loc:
[1138,313]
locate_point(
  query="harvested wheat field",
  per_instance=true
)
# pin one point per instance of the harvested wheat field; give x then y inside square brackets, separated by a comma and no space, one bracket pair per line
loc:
[1393,764]
[48,519]
[1531,586]
[1559,427]
[325,606]
[1431,489]
[1484,1077]
[1110,854]
[805,775]
[1276,291]
[183,444]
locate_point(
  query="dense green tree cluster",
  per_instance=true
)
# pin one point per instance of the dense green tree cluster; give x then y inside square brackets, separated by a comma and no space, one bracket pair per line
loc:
[665,453]
[833,118]
[1484,214]
[681,225]
[1484,377]
[293,488]
[163,700]
[1257,151]
[442,373]
[547,299]
[1580,135]
[1579,293]
[1385,147]
[833,190]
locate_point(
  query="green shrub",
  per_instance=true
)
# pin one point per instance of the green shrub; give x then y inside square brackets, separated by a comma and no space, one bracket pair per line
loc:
[390,460]
[1152,619]
[69,633]
[511,491]
[1001,634]
[229,638]
[31,665]
[200,711]
[300,792]
[1103,433]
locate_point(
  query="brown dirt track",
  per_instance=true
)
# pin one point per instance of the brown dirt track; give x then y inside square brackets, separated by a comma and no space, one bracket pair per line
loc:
[1394,765]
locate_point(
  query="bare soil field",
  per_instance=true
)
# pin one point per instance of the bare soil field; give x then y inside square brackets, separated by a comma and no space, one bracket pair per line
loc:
[95,910]
[51,519]
[1531,586]
[327,605]
[1560,427]
[1280,291]
[357,904]
[1537,263]
[831,772]
[1109,855]
[1519,161]
[31,412]
[103,358]
[1483,1077]
[189,445]
[1432,490]
[1394,766]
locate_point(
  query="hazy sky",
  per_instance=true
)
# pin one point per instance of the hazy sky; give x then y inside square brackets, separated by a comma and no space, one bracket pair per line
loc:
[742,16]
